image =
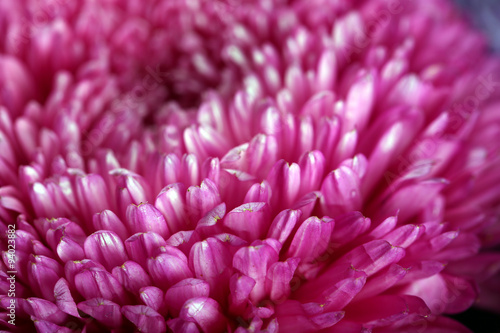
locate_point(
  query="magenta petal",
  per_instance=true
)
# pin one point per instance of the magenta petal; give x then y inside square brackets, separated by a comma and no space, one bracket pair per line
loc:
[46,310]
[146,217]
[360,100]
[311,240]
[107,220]
[422,270]
[105,247]
[93,195]
[154,298]
[178,325]
[129,190]
[254,261]
[395,307]
[241,286]
[349,226]
[283,225]
[312,168]
[182,291]
[142,246]
[97,283]
[43,275]
[132,276]
[342,287]
[211,223]
[420,193]
[183,240]
[296,317]
[200,200]
[74,267]
[404,236]
[171,202]
[206,313]
[47,326]
[249,221]
[445,293]
[341,192]
[166,270]
[211,261]
[285,183]
[103,310]
[382,281]
[259,193]
[278,279]
[68,250]
[64,299]
[144,318]
[370,257]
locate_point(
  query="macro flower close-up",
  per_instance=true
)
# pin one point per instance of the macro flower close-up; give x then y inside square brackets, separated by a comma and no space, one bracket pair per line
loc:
[249,166]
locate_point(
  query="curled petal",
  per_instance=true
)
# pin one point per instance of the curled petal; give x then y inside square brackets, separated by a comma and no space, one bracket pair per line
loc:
[154,298]
[97,283]
[206,313]
[172,203]
[146,217]
[103,310]
[143,246]
[132,276]
[166,270]
[200,200]
[144,318]
[105,247]
[107,220]
[249,221]
[254,261]
[184,290]
[64,299]
[211,261]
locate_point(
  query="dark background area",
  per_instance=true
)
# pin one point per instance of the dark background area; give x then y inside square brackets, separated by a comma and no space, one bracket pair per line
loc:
[485,15]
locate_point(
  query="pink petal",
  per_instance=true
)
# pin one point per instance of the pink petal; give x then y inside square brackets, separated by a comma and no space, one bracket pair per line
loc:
[105,247]
[97,283]
[312,168]
[211,261]
[278,279]
[311,240]
[200,200]
[341,192]
[107,220]
[171,203]
[283,225]
[64,299]
[132,276]
[166,270]
[154,298]
[260,192]
[46,310]
[146,217]
[44,273]
[103,311]
[184,290]
[249,221]
[144,318]
[254,261]
[206,313]
[142,246]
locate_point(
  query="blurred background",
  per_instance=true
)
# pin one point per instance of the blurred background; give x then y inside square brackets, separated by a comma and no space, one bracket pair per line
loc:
[484,15]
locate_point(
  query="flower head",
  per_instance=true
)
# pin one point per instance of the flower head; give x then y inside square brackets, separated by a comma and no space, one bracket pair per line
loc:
[246,166]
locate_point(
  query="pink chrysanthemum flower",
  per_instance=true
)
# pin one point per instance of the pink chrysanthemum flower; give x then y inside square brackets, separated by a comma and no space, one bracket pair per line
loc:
[246,166]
